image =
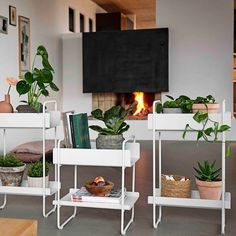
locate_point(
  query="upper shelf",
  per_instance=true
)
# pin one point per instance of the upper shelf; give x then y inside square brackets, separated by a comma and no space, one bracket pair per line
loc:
[24,120]
[97,157]
[177,122]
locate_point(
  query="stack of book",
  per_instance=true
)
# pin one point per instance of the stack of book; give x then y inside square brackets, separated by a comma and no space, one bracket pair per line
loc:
[76,130]
[82,195]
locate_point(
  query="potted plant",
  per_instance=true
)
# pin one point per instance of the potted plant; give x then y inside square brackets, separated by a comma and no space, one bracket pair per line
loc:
[111,137]
[11,170]
[182,104]
[35,83]
[35,174]
[208,181]
[205,104]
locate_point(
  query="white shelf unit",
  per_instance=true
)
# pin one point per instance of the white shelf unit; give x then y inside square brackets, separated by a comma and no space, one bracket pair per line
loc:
[30,121]
[160,123]
[127,157]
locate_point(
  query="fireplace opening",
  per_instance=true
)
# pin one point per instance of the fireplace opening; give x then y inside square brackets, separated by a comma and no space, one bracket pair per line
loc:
[142,102]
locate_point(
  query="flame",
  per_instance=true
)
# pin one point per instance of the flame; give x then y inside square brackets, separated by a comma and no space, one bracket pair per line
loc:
[140,102]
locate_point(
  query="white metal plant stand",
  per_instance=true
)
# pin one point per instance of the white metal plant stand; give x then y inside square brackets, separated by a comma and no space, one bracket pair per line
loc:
[127,157]
[176,122]
[31,121]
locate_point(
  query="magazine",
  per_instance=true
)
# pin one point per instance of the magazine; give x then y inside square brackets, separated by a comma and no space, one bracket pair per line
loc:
[82,195]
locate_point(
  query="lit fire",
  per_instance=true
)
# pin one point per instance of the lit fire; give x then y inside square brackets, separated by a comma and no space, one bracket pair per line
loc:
[140,102]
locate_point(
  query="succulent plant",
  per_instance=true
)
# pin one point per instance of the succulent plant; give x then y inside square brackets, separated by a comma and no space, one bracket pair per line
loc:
[207,171]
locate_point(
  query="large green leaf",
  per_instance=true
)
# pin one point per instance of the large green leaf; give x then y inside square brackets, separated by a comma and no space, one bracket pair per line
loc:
[98,114]
[46,76]
[95,128]
[22,87]
[54,87]
[41,51]
[45,92]
[29,77]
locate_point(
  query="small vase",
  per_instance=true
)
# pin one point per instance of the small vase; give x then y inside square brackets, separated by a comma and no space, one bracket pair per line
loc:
[5,106]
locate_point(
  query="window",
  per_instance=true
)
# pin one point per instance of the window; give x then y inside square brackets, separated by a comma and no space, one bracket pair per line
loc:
[81,17]
[90,25]
[71,20]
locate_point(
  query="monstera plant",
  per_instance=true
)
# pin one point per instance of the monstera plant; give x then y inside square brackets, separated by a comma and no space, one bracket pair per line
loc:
[110,136]
[36,83]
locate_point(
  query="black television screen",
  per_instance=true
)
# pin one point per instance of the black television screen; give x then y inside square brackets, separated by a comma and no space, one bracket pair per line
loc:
[125,61]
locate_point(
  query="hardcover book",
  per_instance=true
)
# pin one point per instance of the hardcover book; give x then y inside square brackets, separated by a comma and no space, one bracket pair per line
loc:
[67,129]
[79,130]
[82,195]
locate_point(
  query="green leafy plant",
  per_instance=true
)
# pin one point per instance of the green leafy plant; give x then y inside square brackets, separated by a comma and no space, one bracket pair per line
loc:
[209,130]
[114,120]
[183,102]
[204,100]
[36,169]
[36,82]
[10,160]
[207,171]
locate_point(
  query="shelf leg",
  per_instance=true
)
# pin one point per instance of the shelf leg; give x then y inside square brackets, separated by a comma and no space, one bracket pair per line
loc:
[4,202]
[59,225]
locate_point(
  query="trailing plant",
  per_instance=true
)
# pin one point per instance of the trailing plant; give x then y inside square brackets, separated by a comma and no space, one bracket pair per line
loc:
[36,169]
[204,100]
[207,171]
[10,160]
[113,118]
[209,130]
[36,82]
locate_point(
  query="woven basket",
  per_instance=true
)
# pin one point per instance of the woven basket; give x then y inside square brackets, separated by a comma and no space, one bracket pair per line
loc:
[177,188]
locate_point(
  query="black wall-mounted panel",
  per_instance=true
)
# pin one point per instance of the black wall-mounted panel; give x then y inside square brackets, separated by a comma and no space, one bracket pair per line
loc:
[125,61]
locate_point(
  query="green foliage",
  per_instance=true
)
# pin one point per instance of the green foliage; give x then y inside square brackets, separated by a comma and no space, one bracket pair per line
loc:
[207,99]
[207,171]
[113,120]
[36,169]
[183,102]
[209,130]
[37,81]
[10,160]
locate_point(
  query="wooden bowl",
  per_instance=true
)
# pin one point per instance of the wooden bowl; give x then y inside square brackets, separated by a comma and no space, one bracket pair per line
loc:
[99,190]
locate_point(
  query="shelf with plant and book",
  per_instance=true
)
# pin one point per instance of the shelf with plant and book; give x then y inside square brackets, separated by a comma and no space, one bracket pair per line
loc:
[122,158]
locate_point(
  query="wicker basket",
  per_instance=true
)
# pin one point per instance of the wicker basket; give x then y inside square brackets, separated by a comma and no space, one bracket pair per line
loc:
[177,188]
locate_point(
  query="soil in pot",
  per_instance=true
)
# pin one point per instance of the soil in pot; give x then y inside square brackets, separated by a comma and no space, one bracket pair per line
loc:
[209,189]
[12,176]
[25,109]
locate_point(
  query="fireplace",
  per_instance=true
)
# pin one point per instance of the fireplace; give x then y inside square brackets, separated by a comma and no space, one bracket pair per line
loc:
[142,102]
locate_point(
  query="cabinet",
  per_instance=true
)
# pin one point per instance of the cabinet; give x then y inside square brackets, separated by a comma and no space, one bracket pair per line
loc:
[29,121]
[176,122]
[127,157]
[113,21]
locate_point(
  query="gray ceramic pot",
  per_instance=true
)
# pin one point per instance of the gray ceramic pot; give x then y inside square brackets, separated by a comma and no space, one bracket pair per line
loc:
[172,110]
[12,176]
[109,141]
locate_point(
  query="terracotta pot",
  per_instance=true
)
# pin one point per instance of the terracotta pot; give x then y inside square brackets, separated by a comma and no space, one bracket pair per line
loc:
[5,106]
[209,189]
[208,108]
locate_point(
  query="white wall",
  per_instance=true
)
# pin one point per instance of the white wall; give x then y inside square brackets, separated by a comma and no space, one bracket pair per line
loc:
[201,48]
[48,22]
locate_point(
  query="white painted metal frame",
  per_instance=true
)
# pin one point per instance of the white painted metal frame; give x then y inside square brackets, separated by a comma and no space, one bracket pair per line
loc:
[159,123]
[119,161]
[21,120]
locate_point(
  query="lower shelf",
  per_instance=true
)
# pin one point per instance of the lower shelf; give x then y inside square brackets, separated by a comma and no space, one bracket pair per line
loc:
[25,190]
[193,202]
[130,199]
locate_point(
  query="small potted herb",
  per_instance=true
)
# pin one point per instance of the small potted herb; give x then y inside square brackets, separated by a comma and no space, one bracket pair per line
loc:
[208,180]
[111,136]
[11,170]
[35,174]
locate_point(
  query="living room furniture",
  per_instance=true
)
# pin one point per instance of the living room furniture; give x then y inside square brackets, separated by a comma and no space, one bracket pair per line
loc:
[127,157]
[40,121]
[161,123]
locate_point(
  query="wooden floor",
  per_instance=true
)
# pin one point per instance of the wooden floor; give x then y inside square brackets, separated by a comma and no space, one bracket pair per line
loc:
[178,158]
[18,227]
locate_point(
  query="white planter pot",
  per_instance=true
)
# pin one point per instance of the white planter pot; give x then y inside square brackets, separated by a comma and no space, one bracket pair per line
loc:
[37,182]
